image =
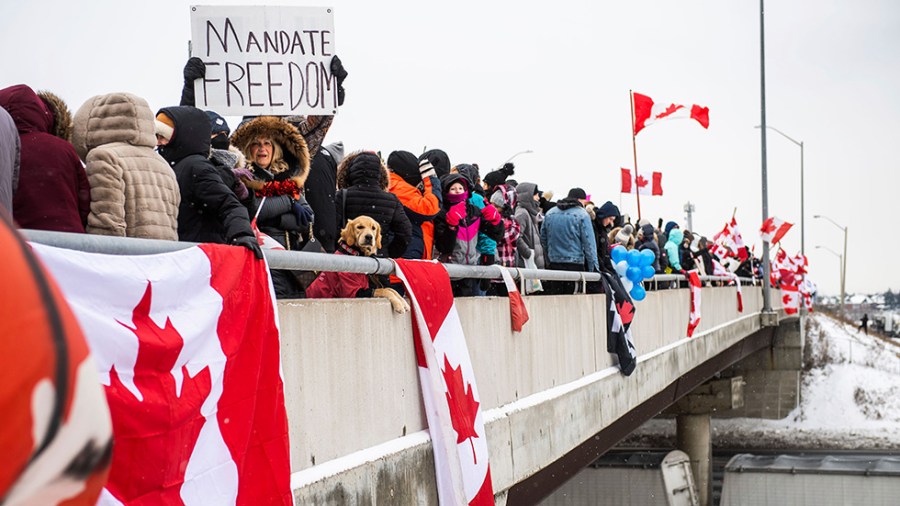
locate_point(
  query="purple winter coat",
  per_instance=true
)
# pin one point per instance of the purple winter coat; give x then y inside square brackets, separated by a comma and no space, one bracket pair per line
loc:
[53,192]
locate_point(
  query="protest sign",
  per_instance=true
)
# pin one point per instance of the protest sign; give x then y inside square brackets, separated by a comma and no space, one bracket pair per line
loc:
[264,60]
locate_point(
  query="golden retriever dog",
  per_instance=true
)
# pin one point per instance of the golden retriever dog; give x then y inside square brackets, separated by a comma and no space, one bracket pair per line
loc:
[360,237]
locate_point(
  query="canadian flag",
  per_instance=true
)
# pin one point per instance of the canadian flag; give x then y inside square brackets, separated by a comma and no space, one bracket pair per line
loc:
[729,243]
[646,112]
[452,404]
[695,285]
[187,346]
[773,229]
[790,298]
[720,270]
[641,184]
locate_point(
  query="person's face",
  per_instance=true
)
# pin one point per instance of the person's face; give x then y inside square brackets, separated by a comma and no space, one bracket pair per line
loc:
[261,152]
[161,141]
[456,189]
[608,221]
[536,197]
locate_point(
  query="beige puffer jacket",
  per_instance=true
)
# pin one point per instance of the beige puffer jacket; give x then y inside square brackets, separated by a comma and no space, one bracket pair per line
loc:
[133,190]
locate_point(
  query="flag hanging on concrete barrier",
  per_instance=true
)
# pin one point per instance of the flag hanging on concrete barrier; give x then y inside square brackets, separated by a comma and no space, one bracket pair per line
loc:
[695,285]
[452,404]
[619,315]
[187,346]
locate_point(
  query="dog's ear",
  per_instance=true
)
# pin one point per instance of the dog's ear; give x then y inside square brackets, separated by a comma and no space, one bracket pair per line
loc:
[377,234]
[347,234]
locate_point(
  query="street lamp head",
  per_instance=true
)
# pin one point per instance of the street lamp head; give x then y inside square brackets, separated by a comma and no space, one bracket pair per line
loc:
[817,216]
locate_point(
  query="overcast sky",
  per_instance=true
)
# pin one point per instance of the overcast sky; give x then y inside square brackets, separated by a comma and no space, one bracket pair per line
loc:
[486,80]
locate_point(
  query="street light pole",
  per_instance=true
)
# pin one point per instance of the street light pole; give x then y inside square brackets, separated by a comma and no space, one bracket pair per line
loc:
[527,151]
[844,261]
[840,270]
[767,298]
[802,187]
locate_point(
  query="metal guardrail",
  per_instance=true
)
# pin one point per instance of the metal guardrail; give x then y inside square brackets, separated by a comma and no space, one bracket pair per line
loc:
[308,261]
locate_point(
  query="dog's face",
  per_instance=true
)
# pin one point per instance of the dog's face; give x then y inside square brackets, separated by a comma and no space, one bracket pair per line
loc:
[364,233]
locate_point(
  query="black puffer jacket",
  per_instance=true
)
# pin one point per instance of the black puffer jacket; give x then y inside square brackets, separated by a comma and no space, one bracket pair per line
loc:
[362,182]
[209,211]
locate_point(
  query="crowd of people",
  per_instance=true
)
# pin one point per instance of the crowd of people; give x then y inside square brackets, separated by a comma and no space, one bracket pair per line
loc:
[116,168]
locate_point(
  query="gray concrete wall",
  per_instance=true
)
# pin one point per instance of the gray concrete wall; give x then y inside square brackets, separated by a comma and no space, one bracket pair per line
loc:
[354,404]
[771,376]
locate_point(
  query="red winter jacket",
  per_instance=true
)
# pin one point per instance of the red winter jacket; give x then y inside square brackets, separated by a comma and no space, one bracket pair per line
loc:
[340,285]
[53,192]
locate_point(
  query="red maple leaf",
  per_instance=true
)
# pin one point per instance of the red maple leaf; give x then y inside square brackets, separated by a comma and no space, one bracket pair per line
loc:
[768,227]
[641,181]
[462,403]
[626,312]
[154,437]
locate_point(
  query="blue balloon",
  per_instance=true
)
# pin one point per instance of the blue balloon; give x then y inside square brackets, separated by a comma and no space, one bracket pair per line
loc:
[634,258]
[618,254]
[647,271]
[638,293]
[634,274]
[647,257]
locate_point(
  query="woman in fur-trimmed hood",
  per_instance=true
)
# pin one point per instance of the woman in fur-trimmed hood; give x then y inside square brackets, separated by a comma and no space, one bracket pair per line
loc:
[362,181]
[288,156]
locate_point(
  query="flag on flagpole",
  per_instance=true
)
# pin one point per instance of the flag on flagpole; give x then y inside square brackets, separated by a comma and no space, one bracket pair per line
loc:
[452,403]
[187,346]
[647,112]
[773,229]
[652,187]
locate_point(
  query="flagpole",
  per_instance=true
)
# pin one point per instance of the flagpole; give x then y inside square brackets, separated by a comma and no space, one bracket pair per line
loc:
[637,192]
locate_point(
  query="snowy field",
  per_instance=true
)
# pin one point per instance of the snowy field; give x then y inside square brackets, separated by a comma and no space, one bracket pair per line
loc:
[850,399]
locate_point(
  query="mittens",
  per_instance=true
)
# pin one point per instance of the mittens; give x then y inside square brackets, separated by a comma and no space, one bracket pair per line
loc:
[194,69]
[456,214]
[426,169]
[489,212]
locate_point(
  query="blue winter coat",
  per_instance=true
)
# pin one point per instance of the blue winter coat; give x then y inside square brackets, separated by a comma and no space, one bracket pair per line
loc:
[568,237]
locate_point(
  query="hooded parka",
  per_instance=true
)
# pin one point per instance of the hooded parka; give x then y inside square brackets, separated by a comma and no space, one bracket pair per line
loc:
[209,210]
[134,192]
[53,191]
[363,182]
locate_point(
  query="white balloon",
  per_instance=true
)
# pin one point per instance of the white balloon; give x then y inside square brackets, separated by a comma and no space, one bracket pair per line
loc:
[628,284]
[621,268]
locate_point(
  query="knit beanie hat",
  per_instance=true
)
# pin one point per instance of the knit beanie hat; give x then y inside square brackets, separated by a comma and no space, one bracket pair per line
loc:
[647,230]
[165,126]
[624,234]
[576,193]
[217,123]
[405,165]
[669,226]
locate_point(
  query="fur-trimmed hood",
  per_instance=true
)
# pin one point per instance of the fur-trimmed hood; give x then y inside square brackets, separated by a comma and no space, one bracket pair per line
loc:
[114,117]
[62,116]
[292,143]
[360,168]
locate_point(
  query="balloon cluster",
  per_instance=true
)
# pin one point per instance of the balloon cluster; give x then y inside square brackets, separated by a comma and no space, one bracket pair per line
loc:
[633,266]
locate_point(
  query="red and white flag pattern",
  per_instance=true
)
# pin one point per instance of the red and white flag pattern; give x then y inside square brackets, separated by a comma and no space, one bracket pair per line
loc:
[644,186]
[773,229]
[720,270]
[647,112]
[187,346]
[695,286]
[729,243]
[452,404]
[789,275]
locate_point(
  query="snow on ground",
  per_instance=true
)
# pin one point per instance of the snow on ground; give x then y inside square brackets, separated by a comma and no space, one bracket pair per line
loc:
[850,399]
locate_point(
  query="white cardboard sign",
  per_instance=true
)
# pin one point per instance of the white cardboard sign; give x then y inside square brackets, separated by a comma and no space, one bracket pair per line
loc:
[265,60]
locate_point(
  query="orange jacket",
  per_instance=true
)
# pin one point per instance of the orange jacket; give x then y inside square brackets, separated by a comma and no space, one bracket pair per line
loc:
[421,208]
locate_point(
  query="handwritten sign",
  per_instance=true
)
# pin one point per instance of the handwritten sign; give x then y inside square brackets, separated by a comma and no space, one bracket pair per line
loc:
[264,60]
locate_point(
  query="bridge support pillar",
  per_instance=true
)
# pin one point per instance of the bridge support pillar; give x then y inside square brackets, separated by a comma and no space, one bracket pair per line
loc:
[693,438]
